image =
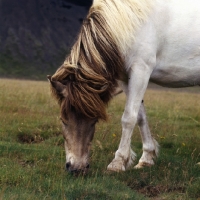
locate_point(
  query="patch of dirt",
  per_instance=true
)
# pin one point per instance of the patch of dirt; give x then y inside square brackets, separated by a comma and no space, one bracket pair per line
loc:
[38,134]
[154,191]
[30,138]
[25,138]
[25,163]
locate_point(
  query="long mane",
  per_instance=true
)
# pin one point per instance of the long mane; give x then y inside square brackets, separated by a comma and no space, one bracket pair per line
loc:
[96,60]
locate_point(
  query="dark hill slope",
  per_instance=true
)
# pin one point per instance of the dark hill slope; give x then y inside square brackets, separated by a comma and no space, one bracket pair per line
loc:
[35,35]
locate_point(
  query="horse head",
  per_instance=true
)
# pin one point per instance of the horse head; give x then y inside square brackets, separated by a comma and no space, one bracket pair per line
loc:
[78,128]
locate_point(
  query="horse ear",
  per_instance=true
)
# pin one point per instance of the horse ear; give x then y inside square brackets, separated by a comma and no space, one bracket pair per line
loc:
[58,86]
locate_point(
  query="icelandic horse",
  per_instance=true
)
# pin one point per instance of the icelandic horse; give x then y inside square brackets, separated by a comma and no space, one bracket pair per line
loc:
[126,43]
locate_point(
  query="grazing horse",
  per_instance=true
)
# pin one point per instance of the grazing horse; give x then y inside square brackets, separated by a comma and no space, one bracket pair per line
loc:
[127,44]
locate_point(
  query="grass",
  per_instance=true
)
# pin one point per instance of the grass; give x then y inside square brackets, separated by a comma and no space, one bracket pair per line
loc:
[32,156]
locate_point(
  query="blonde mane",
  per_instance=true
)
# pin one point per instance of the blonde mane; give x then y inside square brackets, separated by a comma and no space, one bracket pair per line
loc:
[96,61]
[124,18]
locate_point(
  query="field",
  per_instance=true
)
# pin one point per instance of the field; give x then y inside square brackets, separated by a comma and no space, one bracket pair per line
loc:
[32,156]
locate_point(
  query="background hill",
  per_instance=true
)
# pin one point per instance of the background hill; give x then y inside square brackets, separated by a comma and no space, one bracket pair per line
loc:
[36,35]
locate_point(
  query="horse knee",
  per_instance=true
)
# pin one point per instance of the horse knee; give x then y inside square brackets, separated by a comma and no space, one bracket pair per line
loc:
[129,120]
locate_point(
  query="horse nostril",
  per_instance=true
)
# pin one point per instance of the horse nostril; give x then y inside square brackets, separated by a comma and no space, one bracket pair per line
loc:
[88,166]
[74,171]
[68,164]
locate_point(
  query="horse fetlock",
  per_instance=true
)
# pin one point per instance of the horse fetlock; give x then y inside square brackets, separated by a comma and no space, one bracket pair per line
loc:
[147,159]
[151,145]
[116,165]
[121,162]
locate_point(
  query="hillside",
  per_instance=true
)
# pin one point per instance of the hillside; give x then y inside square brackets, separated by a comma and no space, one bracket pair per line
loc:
[35,35]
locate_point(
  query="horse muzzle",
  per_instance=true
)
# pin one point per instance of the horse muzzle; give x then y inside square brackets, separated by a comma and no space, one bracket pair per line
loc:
[77,170]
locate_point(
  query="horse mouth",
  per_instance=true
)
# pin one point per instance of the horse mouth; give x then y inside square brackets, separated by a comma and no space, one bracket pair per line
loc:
[77,172]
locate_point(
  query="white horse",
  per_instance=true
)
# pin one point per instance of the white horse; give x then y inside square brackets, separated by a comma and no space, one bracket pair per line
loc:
[145,40]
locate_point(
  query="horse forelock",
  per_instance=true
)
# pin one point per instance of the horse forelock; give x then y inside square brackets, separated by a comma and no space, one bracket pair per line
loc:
[95,63]
[87,94]
[83,102]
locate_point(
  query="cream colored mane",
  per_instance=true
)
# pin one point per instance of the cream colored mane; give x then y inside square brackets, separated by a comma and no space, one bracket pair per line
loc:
[124,17]
[96,61]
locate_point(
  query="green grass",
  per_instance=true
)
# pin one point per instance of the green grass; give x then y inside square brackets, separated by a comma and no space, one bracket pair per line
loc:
[32,156]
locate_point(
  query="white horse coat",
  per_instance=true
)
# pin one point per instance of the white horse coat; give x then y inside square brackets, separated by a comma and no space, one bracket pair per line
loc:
[166,51]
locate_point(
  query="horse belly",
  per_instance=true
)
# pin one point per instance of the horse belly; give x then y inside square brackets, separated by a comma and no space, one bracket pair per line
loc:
[176,76]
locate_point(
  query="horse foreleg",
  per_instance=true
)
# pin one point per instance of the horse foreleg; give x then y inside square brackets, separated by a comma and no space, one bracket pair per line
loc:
[135,90]
[150,145]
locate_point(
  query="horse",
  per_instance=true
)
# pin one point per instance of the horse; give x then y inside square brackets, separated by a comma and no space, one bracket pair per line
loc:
[124,44]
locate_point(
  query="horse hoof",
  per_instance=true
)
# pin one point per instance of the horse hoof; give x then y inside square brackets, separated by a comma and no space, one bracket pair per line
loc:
[116,166]
[141,165]
[138,166]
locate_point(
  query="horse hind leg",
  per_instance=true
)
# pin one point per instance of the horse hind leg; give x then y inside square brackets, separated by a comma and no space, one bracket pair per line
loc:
[150,145]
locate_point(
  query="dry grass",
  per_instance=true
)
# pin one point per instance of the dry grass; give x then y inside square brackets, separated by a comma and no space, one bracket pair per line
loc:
[33,157]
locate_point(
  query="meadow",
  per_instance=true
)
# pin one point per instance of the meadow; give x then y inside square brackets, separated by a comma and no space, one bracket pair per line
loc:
[32,156]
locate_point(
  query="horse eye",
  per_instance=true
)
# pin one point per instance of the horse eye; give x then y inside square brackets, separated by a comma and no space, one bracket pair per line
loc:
[94,123]
[64,122]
